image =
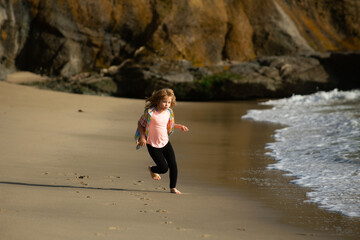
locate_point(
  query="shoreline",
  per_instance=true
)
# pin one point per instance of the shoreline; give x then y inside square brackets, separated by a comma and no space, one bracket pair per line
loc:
[71,174]
[250,178]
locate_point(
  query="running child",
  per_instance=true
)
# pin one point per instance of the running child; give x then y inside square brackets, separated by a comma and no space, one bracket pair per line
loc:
[154,128]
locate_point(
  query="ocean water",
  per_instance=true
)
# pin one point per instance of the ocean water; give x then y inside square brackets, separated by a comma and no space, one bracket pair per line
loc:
[319,145]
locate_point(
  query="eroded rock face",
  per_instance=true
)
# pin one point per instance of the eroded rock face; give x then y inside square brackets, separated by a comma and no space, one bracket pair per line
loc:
[14,23]
[67,37]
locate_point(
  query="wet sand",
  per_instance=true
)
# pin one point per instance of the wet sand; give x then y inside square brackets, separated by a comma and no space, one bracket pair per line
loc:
[69,170]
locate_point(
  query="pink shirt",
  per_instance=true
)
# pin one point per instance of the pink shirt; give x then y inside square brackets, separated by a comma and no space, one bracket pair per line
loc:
[158,135]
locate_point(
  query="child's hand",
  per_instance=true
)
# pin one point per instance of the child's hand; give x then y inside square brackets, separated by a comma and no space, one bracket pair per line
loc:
[142,141]
[181,127]
[184,128]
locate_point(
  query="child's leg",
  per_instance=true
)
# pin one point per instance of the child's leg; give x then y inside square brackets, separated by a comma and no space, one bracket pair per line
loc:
[158,157]
[171,161]
[164,159]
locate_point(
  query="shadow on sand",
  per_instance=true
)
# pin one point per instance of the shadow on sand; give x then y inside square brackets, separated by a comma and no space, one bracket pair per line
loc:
[77,187]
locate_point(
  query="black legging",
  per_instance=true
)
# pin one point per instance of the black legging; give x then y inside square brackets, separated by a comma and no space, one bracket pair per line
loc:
[165,159]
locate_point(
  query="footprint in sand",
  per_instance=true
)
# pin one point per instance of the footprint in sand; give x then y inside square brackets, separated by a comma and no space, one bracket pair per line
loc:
[83,183]
[138,182]
[113,177]
[83,177]
[145,199]
[161,211]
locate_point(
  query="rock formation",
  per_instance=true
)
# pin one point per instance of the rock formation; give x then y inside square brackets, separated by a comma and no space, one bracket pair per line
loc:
[65,38]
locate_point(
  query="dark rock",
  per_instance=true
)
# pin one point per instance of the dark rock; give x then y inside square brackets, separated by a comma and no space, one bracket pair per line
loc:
[266,77]
[277,76]
[344,69]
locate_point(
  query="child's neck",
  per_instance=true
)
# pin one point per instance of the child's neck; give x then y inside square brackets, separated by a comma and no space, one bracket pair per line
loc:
[160,110]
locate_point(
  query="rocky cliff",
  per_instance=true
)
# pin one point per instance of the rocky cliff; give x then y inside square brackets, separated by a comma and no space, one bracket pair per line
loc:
[64,38]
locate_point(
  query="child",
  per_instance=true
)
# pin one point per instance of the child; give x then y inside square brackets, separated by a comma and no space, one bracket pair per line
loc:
[154,128]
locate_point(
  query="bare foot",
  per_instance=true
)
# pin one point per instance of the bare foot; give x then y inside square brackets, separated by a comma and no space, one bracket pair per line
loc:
[174,190]
[154,176]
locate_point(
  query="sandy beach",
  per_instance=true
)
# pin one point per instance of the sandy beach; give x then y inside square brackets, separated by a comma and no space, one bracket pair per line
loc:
[69,170]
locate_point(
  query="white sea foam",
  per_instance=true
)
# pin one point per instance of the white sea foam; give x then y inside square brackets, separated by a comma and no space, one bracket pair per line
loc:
[319,145]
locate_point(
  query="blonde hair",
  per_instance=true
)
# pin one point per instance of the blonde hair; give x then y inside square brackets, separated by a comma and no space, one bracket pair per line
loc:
[157,96]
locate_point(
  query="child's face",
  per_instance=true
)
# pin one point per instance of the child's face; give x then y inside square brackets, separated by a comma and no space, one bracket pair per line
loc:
[164,103]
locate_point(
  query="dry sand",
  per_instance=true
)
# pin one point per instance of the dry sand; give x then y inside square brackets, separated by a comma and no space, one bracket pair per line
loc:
[69,170]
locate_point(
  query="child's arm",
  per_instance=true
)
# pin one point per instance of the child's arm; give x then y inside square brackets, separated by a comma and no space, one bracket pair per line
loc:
[142,138]
[181,127]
